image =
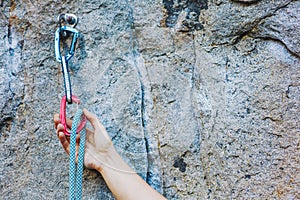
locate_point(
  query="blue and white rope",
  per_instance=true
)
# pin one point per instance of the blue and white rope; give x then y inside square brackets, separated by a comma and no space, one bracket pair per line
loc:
[75,176]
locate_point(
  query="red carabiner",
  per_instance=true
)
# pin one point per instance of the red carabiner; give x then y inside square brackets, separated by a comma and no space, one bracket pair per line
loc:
[62,115]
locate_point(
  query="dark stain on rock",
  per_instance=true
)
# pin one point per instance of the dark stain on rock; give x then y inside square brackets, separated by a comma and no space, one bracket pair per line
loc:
[247,176]
[5,125]
[191,7]
[179,163]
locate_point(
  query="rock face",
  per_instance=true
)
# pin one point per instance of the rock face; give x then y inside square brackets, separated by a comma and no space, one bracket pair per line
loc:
[200,97]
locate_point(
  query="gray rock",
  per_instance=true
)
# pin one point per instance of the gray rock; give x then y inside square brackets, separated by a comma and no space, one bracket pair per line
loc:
[201,97]
[247,1]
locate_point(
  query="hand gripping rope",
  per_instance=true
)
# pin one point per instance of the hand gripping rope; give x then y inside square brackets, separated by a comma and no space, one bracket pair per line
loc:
[79,121]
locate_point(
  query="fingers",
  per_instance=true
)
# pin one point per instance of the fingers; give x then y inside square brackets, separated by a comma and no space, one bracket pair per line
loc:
[63,139]
[69,123]
[99,135]
[56,120]
[60,134]
[78,138]
[59,128]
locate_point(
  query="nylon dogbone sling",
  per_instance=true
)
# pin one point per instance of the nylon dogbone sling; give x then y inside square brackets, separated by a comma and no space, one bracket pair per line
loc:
[79,121]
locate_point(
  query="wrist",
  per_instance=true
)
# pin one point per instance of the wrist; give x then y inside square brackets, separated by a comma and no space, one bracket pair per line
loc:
[114,163]
[104,157]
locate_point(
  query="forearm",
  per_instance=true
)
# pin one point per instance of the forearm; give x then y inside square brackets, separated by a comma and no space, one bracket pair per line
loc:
[123,181]
[102,156]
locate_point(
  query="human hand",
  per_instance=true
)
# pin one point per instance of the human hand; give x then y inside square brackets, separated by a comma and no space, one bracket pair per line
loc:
[101,155]
[98,148]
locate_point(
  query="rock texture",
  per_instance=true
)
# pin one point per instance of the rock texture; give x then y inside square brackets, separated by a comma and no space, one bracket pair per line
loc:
[200,97]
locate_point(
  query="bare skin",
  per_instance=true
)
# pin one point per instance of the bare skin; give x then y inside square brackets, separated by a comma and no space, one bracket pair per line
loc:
[101,155]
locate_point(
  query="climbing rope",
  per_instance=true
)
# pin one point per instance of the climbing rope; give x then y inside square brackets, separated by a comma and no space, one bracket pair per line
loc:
[75,174]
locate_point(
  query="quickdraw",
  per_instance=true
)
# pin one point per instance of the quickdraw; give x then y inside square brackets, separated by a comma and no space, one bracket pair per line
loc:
[64,59]
[68,19]
[79,121]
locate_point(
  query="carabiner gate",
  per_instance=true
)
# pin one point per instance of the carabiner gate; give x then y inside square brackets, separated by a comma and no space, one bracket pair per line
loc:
[73,43]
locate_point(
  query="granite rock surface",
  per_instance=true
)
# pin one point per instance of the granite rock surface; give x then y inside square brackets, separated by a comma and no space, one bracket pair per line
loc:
[201,98]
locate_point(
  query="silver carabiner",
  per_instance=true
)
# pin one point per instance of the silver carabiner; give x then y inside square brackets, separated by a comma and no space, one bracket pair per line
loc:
[73,43]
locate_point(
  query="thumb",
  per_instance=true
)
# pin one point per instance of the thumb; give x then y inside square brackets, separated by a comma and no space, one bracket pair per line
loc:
[98,127]
[92,118]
